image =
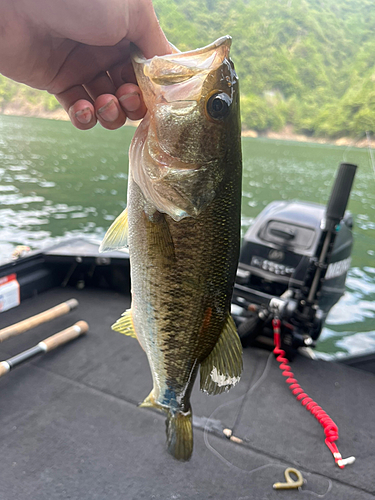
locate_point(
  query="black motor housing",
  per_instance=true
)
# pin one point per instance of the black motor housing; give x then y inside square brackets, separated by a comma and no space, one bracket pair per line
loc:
[278,251]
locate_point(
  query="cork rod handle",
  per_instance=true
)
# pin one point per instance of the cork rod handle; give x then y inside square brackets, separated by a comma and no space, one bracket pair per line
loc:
[3,369]
[38,319]
[64,336]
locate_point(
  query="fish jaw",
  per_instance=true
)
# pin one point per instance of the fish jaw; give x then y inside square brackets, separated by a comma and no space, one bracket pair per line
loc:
[179,166]
[159,76]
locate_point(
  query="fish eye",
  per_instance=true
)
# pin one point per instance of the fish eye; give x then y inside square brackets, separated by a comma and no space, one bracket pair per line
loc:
[218,106]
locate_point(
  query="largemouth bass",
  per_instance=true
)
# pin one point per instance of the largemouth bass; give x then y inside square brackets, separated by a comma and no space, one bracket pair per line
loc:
[182,225]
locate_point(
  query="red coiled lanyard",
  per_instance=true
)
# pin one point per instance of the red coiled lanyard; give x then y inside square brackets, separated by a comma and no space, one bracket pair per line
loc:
[330,428]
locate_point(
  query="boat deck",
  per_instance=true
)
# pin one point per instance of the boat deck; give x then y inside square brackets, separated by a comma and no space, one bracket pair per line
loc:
[70,427]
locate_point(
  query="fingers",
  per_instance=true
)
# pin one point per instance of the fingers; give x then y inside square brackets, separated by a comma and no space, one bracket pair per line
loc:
[100,101]
[82,114]
[112,97]
[130,99]
[79,106]
[107,108]
[112,110]
[101,84]
[128,92]
[126,99]
[109,112]
[122,73]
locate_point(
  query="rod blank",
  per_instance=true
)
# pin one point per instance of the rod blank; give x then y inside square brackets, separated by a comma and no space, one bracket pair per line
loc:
[38,319]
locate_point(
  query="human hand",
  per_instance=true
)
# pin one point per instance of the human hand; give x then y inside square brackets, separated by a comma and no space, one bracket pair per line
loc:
[78,50]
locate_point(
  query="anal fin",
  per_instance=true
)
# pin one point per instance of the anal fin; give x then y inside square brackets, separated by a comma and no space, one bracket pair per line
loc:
[150,402]
[222,368]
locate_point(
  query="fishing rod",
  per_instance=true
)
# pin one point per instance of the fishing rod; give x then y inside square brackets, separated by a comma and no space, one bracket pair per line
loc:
[46,345]
[38,319]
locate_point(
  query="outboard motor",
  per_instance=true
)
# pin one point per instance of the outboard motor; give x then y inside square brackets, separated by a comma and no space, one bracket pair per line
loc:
[293,266]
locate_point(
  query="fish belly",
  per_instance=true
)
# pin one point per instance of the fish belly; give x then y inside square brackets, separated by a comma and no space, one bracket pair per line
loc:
[182,276]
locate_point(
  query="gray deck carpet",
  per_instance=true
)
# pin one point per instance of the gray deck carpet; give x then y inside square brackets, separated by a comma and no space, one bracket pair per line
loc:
[70,427]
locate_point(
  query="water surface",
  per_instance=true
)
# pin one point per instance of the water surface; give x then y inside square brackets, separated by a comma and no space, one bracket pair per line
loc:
[56,181]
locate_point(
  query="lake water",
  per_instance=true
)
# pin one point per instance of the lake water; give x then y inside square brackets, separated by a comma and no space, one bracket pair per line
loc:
[56,181]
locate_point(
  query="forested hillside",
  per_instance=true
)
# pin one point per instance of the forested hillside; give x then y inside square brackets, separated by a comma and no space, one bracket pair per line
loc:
[306,63]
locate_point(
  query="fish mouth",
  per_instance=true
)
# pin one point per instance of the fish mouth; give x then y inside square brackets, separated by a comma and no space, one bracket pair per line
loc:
[178,67]
[190,58]
[176,171]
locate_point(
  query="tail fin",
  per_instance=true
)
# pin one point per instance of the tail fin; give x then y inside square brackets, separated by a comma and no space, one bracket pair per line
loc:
[180,434]
[179,429]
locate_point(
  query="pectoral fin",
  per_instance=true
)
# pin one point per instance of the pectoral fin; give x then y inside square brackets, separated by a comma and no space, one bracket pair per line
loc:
[117,235]
[159,237]
[125,324]
[222,368]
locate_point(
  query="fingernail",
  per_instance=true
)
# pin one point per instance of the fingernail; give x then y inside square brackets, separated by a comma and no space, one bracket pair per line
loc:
[109,112]
[83,116]
[130,104]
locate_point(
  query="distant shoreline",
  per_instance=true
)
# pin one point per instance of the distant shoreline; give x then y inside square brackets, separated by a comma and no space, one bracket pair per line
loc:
[285,134]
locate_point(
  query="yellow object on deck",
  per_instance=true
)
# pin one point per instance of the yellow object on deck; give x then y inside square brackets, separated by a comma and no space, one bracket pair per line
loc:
[290,483]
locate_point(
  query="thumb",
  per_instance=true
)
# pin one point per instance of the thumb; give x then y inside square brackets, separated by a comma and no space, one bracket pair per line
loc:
[147,34]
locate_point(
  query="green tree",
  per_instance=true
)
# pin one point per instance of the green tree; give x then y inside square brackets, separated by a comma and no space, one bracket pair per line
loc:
[305,63]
